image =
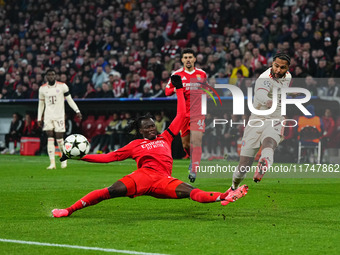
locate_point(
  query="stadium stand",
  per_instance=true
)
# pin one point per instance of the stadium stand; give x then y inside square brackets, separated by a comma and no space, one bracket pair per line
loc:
[126,39]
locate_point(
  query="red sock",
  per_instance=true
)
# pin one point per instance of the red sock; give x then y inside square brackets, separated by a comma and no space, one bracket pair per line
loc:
[92,198]
[196,157]
[205,197]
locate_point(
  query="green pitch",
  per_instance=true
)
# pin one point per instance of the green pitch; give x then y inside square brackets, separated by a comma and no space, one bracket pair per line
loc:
[278,216]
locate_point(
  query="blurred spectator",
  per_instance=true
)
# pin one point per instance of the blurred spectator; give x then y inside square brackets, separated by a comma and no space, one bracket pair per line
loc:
[158,91]
[329,127]
[123,129]
[34,93]
[99,77]
[14,134]
[322,70]
[307,63]
[135,89]
[335,141]
[19,93]
[160,122]
[117,84]
[105,92]
[30,127]
[2,77]
[90,91]
[333,88]
[238,67]
[111,136]
[258,61]
[78,88]
[311,85]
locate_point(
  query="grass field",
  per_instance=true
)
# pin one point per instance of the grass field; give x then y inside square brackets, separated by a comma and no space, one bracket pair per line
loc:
[286,216]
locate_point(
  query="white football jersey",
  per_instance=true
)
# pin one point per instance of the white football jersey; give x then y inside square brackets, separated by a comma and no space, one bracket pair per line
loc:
[267,82]
[54,99]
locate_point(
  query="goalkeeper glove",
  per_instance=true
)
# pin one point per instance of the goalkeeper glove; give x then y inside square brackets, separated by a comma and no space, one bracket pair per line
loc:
[176,80]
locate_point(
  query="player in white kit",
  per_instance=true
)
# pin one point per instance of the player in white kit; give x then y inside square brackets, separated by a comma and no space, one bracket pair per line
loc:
[265,130]
[51,109]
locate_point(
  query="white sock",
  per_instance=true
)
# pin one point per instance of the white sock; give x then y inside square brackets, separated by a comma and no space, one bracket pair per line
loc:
[61,144]
[238,177]
[51,149]
[268,153]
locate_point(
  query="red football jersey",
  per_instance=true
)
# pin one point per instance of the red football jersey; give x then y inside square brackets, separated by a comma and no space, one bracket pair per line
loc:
[192,95]
[154,154]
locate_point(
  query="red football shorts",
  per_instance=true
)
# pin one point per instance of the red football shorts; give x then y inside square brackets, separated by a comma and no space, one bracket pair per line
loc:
[192,123]
[146,181]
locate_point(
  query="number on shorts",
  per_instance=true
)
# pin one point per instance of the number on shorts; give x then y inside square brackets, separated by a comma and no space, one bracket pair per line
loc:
[200,124]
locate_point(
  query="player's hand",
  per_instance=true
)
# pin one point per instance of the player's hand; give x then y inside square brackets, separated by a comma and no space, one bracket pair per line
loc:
[63,158]
[176,80]
[79,115]
[269,103]
[40,123]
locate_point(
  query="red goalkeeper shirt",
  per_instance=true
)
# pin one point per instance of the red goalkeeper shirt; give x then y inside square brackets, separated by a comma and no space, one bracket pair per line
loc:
[192,95]
[154,154]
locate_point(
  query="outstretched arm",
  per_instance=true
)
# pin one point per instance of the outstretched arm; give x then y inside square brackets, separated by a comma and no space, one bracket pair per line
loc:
[176,124]
[118,155]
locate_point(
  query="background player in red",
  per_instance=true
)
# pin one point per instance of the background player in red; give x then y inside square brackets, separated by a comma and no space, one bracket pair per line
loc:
[154,162]
[193,125]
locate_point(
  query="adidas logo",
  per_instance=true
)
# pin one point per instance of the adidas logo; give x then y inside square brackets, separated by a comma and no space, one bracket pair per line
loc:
[83,203]
[184,78]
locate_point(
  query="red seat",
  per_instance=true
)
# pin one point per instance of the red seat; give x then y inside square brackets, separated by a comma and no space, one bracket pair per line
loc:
[77,120]
[88,127]
[99,126]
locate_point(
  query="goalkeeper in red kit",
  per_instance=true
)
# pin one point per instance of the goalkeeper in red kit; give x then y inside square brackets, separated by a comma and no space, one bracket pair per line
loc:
[154,163]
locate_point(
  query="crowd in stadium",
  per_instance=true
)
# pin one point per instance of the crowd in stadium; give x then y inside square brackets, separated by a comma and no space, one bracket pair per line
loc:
[129,48]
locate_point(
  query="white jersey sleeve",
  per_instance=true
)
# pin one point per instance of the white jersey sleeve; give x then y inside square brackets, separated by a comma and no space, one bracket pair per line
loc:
[264,88]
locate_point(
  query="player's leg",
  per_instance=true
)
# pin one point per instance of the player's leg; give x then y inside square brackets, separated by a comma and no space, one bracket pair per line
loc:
[185,190]
[7,139]
[251,142]
[118,189]
[267,158]
[186,144]
[132,185]
[176,189]
[197,127]
[51,148]
[60,140]
[196,144]
[241,172]
[185,137]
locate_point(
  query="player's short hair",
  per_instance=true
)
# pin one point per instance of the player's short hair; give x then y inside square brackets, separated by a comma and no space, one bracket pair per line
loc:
[50,70]
[188,51]
[137,124]
[282,56]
